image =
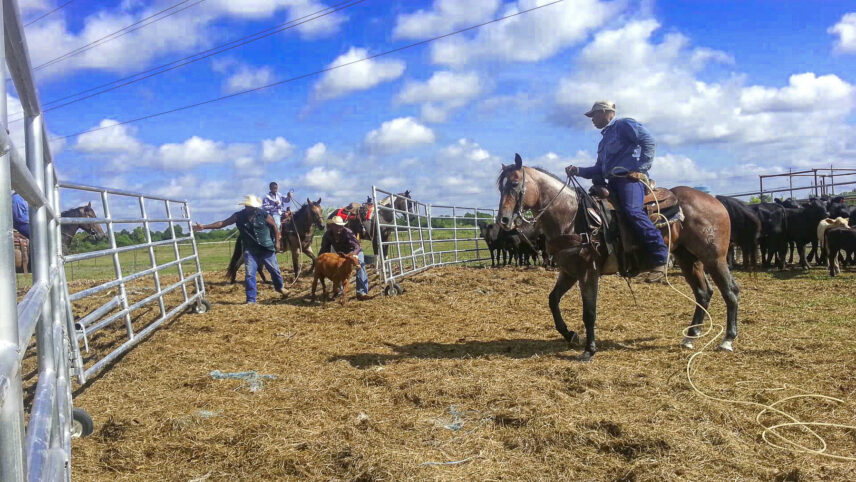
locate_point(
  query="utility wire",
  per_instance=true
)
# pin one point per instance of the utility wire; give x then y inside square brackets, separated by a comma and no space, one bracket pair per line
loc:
[121,32]
[58,8]
[310,74]
[175,64]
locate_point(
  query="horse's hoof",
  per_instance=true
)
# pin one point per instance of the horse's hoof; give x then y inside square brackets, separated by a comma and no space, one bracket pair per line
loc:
[688,343]
[586,356]
[727,345]
[573,338]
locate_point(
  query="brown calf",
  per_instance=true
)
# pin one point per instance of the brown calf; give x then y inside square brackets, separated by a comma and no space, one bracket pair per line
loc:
[337,268]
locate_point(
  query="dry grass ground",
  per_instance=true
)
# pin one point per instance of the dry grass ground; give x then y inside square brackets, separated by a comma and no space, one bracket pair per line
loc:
[466,365]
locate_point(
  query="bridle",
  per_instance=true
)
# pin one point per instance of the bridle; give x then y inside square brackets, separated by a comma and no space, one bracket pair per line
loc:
[518,213]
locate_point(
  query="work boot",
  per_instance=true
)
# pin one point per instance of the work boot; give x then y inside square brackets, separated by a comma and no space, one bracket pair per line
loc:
[362,297]
[656,275]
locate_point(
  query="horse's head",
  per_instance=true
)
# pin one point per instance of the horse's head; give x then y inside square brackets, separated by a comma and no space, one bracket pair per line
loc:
[403,202]
[515,195]
[94,230]
[316,214]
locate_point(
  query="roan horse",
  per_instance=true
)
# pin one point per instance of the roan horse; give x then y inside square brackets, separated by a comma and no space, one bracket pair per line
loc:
[68,230]
[699,244]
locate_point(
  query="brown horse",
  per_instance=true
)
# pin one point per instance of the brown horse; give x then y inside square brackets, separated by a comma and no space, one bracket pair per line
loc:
[297,232]
[68,230]
[699,244]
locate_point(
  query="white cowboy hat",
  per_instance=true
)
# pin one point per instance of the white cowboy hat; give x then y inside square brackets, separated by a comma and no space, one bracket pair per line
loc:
[251,201]
[337,220]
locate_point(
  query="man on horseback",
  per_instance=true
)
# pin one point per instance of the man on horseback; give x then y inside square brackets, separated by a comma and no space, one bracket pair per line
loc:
[20,215]
[274,204]
[624,155]
[255,226]
[340,239]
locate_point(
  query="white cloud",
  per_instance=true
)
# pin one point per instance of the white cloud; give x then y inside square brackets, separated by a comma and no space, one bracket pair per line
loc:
[845,29]
[111,140]
[397,135]
[315,154]
[532,37]
[359,76]
[246,78]
[185,31]
[804,119]
[445,16]
[671,169]
[191,153]
[274,150]
[442,93]
[323,179]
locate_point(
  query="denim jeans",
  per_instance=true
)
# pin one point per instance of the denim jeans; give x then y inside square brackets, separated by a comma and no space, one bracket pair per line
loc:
[630,196]
[252,260]
[362,276]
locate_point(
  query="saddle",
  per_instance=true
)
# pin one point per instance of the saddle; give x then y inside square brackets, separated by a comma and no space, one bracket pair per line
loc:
[355,211]
[22,252]
[608,224]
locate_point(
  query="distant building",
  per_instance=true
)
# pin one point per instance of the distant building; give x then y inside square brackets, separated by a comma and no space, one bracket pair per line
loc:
[702,188]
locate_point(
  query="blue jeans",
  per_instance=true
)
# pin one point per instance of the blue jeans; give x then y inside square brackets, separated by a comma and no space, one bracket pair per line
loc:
[362,276]
[630,196]
[252,260]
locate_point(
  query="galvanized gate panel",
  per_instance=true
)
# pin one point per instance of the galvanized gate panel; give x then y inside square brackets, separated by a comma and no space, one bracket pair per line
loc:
[421,236]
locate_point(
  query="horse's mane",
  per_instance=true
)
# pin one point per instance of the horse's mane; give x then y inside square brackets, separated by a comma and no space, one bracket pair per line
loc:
[78,209]
[503,174]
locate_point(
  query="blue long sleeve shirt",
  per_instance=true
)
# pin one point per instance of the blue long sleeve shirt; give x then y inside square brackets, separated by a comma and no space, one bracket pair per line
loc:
[627,145]
[20,215]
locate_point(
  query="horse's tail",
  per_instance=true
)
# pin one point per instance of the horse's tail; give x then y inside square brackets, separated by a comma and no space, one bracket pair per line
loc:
[235,262]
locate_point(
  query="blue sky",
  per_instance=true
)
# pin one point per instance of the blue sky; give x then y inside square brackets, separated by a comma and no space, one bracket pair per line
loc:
[729,90]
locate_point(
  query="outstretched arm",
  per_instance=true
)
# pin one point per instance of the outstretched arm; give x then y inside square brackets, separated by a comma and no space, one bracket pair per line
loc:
[219,224]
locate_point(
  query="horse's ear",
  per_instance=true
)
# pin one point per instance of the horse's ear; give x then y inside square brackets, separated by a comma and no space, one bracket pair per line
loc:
[503,166]
[406,193]
[89,205]
[318,202]
[308,201]
[518,161]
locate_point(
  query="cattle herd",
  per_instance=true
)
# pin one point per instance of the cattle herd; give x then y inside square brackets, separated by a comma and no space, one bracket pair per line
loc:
[766,234]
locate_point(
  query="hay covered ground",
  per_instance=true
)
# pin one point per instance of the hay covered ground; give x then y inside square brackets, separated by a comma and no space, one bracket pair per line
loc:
[466,366]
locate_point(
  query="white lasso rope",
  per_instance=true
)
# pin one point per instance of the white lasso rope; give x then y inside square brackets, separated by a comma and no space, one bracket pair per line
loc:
[767,429]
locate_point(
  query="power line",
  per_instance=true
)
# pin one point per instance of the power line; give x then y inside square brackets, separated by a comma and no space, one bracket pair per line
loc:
[310,74]
[58,8]
[119,33]
[175,64]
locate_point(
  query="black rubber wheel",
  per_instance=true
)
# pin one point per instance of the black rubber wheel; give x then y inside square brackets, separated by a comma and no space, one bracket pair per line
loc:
[393,290]
[202,307]
[81,423]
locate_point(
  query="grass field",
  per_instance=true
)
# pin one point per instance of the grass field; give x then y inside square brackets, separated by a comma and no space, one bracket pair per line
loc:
[466,367]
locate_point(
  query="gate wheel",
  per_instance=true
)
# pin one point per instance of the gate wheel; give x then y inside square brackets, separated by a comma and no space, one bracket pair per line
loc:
[393,290]
[81,423]
[202,307]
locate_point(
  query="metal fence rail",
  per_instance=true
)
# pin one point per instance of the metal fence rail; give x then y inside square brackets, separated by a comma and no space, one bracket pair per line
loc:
[422,236]
[121,307]
[35,440]
[41,449]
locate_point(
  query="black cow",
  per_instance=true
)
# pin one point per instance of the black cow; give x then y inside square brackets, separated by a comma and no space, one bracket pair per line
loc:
[530,242]
[774,241]
[838,239]
[802,228]
[745,230]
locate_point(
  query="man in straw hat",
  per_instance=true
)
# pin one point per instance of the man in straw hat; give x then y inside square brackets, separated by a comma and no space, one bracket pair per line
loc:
[342,240]
[254,225]
[624,155]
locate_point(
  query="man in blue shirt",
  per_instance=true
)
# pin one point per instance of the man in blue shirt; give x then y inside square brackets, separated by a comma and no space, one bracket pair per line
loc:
[20,215]
[624,154]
